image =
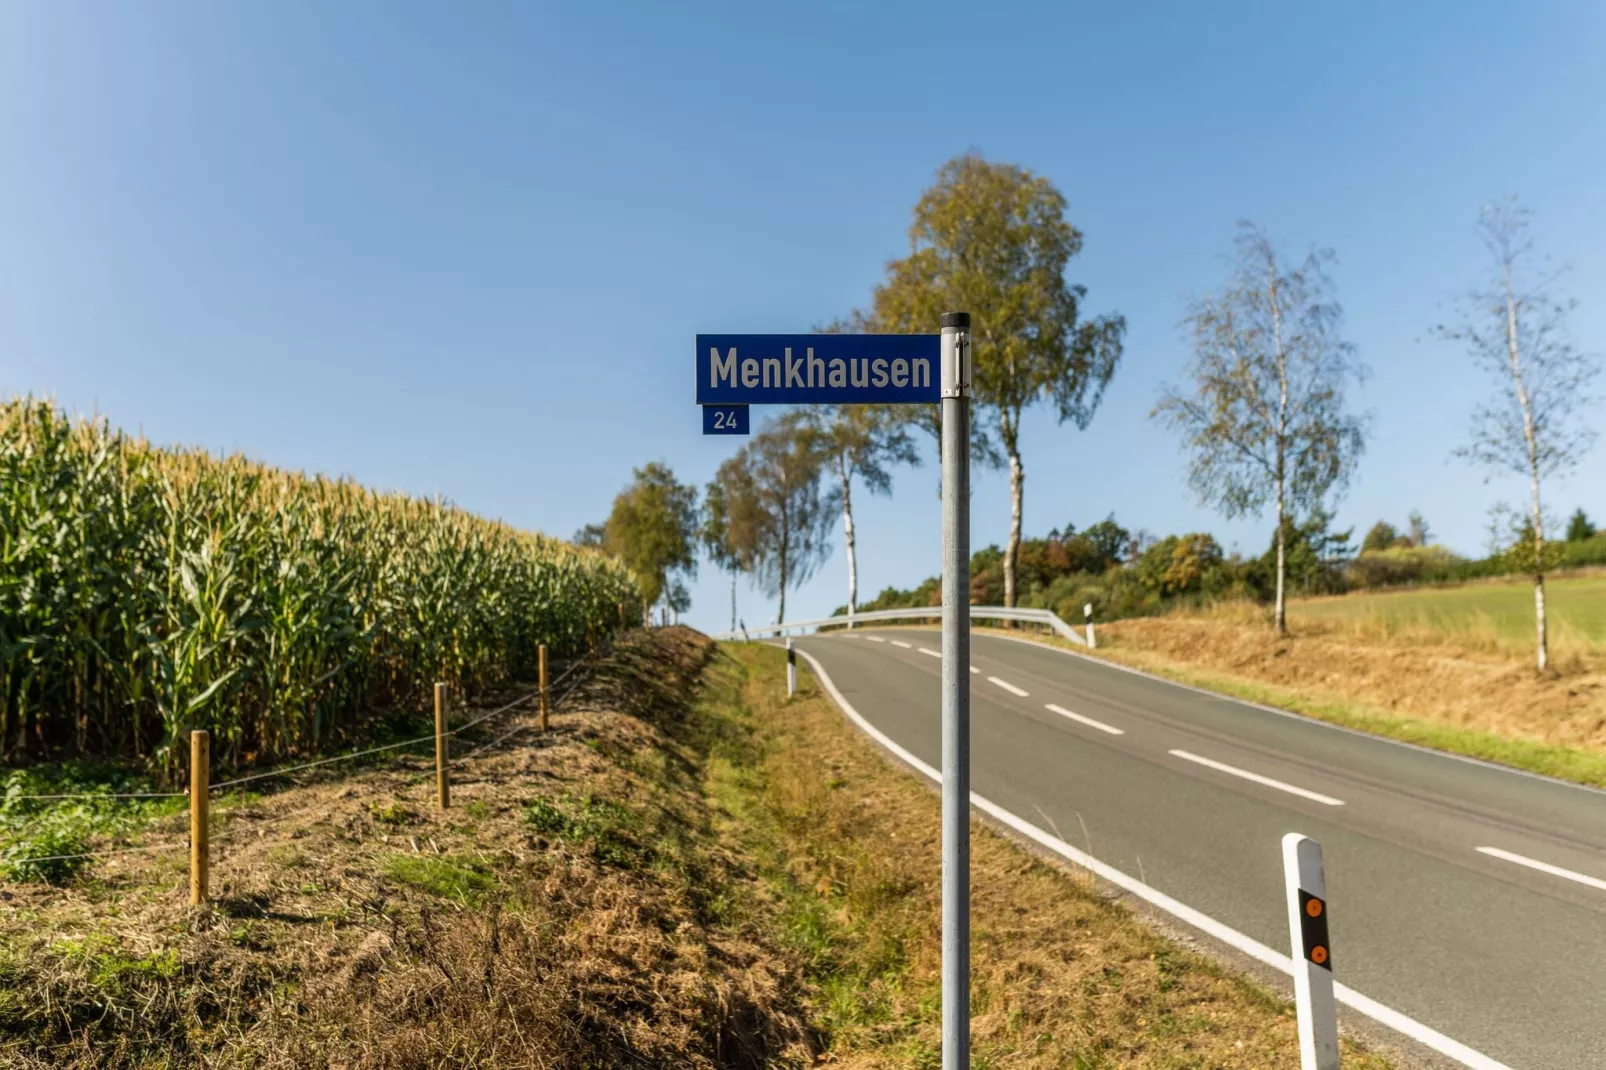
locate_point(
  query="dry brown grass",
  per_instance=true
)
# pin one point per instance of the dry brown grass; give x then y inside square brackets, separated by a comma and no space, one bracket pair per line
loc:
[356,926]
[1463,681]
[1062,976]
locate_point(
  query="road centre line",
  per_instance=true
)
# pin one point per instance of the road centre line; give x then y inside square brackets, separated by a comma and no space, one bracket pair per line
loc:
[1007,686]
[1090,722]
[1378,1012]
[1543,867]
[1317,796]
[874,638]
[933,653]
[900,642]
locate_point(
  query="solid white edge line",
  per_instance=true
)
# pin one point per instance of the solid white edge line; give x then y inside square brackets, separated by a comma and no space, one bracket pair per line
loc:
[1544,867]
[933,653]
[1090,722]
[1094,659]
[1007,686]
[1400,1023]
[1280,785]
[900,642]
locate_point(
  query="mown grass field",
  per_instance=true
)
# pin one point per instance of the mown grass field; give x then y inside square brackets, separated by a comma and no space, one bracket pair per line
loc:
[1502,610]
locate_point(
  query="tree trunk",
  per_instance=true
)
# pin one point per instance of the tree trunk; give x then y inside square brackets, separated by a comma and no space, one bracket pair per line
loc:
[1282,567]
[847,539]
[1514,355]
[1282,442]
[780,610]
[733,600]
[1017,486]
[1539,576]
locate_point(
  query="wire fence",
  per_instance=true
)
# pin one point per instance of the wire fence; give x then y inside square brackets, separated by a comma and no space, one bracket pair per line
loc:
[96,795]
[200,813]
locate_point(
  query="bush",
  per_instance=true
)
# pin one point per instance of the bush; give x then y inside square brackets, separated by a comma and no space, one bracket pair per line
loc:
[1404,564]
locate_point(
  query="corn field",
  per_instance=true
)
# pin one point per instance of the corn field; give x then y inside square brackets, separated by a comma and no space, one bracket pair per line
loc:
[145,592]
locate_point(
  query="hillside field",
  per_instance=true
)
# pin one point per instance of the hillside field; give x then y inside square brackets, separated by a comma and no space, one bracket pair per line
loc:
[1502,610]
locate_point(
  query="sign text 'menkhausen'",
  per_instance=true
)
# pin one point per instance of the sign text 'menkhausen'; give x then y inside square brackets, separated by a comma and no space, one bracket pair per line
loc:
[787,369]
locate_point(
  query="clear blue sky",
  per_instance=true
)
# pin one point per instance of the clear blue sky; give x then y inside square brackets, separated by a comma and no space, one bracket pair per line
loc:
[464,248]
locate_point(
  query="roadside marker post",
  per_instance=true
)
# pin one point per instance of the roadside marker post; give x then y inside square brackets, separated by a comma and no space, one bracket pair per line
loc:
[738,370]
[1312,952]
[791,668]
[1087,611]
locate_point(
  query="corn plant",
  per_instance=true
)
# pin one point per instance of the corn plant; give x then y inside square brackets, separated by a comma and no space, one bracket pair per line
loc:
[146,592]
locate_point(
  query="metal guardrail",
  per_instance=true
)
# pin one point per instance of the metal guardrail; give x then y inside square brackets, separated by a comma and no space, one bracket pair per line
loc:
[1029,616]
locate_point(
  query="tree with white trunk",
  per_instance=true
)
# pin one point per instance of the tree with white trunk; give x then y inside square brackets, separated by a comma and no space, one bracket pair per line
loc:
[1264,417]
[782,521]
[992,239]
[863,443]
[1514,327]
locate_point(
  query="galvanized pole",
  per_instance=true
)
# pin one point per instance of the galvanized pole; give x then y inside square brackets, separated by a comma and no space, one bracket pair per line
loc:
[956,691]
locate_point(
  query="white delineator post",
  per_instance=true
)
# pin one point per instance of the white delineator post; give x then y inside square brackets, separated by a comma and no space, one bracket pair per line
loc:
[955,418]
[791,667]
[1087,611]
[1312,954]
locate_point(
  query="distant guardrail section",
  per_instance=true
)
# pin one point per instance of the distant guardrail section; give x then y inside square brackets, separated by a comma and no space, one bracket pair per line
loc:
[876,616]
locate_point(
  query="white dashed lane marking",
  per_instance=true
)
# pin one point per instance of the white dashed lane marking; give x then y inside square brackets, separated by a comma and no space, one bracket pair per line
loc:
[1304,793]
[1083,719]
[1543,867]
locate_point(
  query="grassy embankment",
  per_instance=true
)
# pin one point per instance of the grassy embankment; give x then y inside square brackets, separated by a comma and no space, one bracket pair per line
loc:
[737,881]
[1450,668]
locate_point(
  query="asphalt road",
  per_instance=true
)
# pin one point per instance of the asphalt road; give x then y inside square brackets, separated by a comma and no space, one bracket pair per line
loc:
[1484,946]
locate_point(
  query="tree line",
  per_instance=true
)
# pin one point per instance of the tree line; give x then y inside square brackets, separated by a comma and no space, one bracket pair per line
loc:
[1263,413]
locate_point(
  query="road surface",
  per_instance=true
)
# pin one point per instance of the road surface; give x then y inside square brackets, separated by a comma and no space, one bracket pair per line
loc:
[1469,898]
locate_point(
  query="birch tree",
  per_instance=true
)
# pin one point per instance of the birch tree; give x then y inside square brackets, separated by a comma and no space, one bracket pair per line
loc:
[1514,328]
[778,474]
[1264,415]
[730,527]
[860,442]
[992,239]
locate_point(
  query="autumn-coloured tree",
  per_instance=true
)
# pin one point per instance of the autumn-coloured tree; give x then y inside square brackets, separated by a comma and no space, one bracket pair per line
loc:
[992,239]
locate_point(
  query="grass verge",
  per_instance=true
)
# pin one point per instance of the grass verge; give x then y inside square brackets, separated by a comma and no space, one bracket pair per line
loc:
[847,845]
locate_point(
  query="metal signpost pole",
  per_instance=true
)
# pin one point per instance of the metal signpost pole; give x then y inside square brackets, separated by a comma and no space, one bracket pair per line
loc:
[955,381]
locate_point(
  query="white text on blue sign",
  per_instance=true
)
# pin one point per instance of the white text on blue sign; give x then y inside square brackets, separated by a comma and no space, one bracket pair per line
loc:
[791,369]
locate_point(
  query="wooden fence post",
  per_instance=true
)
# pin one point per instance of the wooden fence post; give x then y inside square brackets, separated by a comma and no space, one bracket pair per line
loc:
[200,797]
[442,789]
[543,688]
